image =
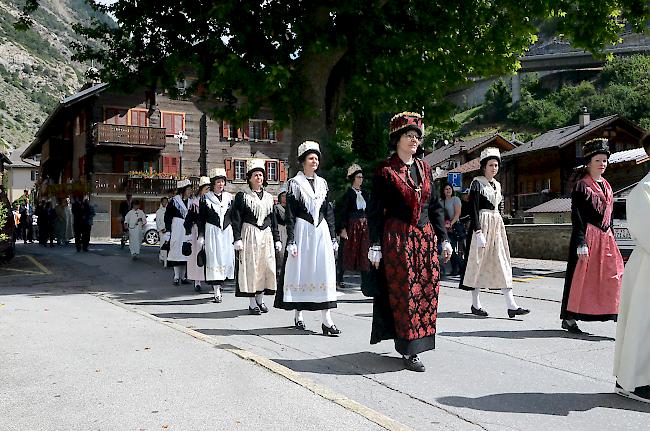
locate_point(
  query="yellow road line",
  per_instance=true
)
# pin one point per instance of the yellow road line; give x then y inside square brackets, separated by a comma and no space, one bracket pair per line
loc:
[321,390]
[527,279]
[38,264]
[21,270]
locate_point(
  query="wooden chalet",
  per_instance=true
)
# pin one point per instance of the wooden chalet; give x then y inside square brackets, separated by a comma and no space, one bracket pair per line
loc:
[106,144]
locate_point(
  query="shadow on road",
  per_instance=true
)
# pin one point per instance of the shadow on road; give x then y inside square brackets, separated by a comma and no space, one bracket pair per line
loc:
[225,314]
[521,335]
[556,404]
[282,330]
[361,363]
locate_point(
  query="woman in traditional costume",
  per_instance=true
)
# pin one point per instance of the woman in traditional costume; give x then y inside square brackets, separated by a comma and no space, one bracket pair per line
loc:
[632,360]
[195,272]
[175,231]
[354,224]
[279,208]
[135,221]
[215,227]
[487,262]
[255,232]
[592,285]
[309,281]
[406,221]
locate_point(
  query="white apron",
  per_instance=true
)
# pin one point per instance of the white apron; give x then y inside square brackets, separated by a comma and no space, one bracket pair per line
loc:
[135,239]
[219,253]
[310,276]
[632,357]
[256,260]
[176,241]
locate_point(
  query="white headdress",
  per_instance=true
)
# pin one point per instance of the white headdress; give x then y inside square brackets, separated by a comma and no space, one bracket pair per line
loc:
[182,183]
[307,146]
[490,152]
[217,173]
[204,181]
[352,169]
[252,164]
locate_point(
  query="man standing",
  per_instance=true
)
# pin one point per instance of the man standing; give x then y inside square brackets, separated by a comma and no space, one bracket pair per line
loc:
[83,214]
[134,222]
[160,216]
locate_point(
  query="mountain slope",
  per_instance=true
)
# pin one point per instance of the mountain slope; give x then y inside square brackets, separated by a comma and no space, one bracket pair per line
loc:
[36,69]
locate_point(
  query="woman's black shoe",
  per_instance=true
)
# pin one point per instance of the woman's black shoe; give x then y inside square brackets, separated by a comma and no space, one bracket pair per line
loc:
[197,287]
[413,363]
[518,312]
[479,312]
[299,324]
[263,307]
[331,331]
[185,281]
[176,282]
[255,311]
[571,328]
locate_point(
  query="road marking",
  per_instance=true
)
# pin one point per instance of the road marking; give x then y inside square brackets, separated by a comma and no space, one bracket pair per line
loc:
[527,279]
[38,264]
[289,374]
[42,270]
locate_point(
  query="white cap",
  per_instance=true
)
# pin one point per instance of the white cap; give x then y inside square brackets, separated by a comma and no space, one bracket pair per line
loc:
[490,152]
[217,173]
[255,164]
[204,181]
[306,146]
[352,169]
[183,183]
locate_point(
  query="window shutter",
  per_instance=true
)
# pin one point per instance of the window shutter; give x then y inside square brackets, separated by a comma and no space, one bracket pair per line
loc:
[283,172]
[230,175]
[245,129]
[225,129]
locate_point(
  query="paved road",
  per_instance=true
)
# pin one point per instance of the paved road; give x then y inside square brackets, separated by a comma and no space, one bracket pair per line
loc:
[485,374]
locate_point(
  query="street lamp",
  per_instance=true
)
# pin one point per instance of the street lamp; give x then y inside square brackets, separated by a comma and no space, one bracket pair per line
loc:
[182,137]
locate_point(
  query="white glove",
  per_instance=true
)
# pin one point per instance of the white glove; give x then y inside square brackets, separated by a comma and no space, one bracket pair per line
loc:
[278,246]
[583,251]
[480,239]
[446,246]
[187,238]
[335,245]
[292,249]
[167,236]
[239,245]
[374,254]
[201,241]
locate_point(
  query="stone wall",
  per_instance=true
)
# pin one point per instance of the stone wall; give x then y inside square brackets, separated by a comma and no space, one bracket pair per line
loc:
[539,241]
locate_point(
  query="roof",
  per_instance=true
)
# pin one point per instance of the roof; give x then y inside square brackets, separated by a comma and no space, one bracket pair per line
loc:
[558,138]
[624,192]
[471,166]
[557,205]
[635,155]
[444,153]
[34,147]
[4,159]
[18,162]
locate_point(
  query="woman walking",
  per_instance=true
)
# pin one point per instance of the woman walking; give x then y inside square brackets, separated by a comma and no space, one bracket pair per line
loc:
[256,238]
[632,360]
[487,261]
[592,285]
[406,221]
[309,281]
[175,231]
[195,272]
[134,222]
[216,230]
[455,230]
[278,208]
[354,224]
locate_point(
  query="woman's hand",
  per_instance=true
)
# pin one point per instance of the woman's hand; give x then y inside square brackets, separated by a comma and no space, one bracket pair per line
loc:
[344,234]
[238,245]
[374,255]
[583,253]
[292,249]
[481,242]
[447,251]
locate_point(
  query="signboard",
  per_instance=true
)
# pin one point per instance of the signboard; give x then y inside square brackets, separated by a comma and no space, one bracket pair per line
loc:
[455,180]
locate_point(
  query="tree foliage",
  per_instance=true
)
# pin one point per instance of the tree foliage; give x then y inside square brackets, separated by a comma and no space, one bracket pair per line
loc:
[310,60]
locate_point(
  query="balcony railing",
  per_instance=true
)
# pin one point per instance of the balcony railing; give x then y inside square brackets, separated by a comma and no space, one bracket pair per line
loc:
[526,201]
[129,136]
[121,183]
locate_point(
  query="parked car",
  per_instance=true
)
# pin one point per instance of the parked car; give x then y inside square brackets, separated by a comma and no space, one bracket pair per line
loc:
[622,234]
[8,245]
[151,235]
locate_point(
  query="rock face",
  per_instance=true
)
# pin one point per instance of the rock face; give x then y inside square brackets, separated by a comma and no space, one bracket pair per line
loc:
[36,69]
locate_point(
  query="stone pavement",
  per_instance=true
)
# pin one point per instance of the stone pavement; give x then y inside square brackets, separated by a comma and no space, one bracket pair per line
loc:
[486,373]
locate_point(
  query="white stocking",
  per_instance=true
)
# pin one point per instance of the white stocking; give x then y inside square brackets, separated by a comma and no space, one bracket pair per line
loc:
[253,303]
[259,298]
[326,316]
[476,301]
[510,299]
[178,272]
[298,316]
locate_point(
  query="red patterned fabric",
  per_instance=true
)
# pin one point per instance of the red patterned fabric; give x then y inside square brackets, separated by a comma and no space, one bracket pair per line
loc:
[396,172]
[355,250]
[412,275]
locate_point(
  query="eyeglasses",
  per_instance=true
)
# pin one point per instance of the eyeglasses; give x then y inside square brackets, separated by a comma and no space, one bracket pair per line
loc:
[413,136]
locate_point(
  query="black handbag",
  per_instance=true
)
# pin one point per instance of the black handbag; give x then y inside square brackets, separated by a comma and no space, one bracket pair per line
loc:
[372,281]
[200,258]
[165,246]
[187,248]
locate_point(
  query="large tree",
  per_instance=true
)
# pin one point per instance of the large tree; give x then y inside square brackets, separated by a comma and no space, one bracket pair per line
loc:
[309,59]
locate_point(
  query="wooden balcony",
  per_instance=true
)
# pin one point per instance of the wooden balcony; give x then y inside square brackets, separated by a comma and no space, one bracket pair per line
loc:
[129,136]
[112,183]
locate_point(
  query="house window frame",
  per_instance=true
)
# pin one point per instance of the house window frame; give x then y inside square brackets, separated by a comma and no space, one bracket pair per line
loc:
[146,117]
[276,164]
[256,125]
[115,108]
[239,167]
[162,121]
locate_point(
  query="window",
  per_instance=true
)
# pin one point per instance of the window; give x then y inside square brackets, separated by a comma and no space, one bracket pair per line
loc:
[34,175]
[138,118]
[261,129]
[240,170]
[116,116]
[272,170]
[174,122]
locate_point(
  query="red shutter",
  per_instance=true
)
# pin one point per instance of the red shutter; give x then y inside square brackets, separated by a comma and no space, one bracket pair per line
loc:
[170,164]
[230,174]
[225,129]
[246,129]
[282,171]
